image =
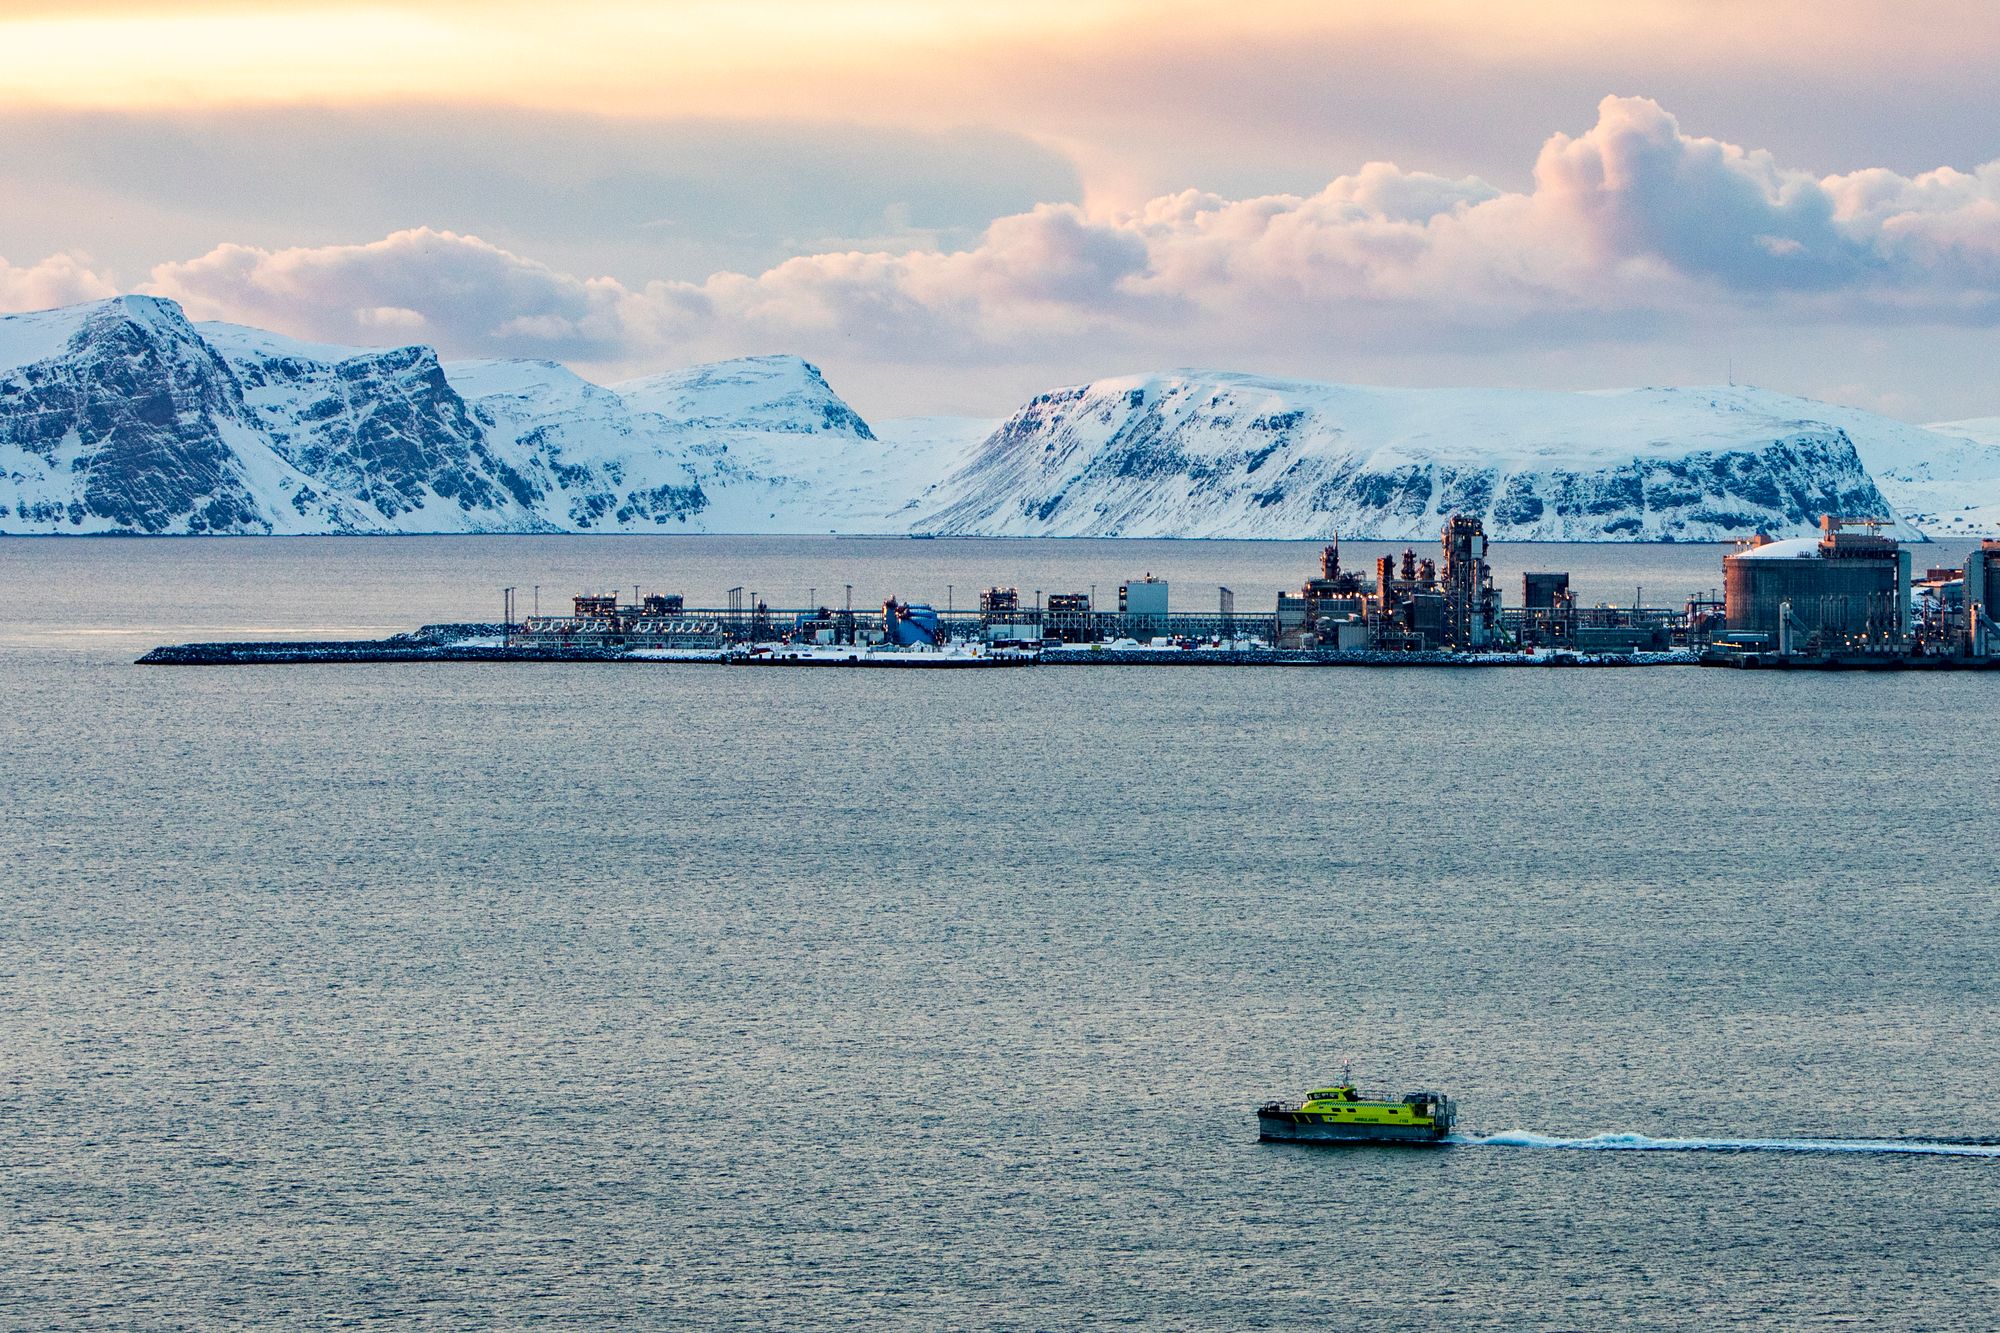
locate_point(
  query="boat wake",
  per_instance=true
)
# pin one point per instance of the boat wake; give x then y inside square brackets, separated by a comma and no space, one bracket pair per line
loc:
[1518,1138]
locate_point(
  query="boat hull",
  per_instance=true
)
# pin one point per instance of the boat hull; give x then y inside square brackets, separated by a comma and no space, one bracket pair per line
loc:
[1308,1127]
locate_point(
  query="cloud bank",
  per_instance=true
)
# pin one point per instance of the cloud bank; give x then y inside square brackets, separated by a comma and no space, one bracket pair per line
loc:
[1634,220]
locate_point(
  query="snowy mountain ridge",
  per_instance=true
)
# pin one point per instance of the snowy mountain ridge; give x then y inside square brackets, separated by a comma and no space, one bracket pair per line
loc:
[121,416]
[1198,453]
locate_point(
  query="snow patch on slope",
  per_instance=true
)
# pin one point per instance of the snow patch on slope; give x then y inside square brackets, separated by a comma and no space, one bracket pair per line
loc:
[240,341]
[42,335]
[874,484]
[784,394]
[757,445]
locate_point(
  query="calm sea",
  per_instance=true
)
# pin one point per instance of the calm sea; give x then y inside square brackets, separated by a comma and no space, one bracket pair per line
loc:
[497,995]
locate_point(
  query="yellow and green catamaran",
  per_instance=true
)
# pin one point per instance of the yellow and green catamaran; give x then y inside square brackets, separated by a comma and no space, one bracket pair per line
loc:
[1344,1114]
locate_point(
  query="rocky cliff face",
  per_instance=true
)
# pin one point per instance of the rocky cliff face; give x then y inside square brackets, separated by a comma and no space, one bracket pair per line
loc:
[382,430]
[129,423]
[1205,454]
[123,417]
[589,461]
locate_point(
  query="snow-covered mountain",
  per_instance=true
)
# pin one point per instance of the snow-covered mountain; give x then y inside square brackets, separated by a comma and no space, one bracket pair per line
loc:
[773,393]
[382,435]
[121,416]
[588,461]
[1951,489]
[1207,454]
[118,417]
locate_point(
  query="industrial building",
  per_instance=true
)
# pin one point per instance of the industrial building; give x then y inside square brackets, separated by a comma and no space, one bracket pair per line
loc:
[1068,618]
[999,604]
[1548,609]
[1982,587]
[1847,589]
[1332,608]
[1544,591]
[599,621]
[1003,619]
[1142,604]
[1411,605]
[1471,607]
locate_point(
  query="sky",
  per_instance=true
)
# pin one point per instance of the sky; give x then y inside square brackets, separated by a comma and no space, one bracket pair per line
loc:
[952,207]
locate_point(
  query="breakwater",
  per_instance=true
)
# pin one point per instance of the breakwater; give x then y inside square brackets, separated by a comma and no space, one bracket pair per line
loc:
[471,642]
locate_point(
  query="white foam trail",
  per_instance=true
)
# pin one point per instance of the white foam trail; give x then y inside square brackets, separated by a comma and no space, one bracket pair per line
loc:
[1521,1138]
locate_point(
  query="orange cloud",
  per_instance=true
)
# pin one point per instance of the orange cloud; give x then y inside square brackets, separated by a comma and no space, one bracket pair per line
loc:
[1143,97]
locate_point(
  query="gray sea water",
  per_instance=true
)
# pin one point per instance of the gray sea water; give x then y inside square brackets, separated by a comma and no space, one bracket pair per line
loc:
[497,995]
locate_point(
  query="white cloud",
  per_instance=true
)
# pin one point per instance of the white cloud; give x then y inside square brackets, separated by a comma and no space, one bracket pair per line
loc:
[1629,224]
[61,279]
[458,289]
[389,317]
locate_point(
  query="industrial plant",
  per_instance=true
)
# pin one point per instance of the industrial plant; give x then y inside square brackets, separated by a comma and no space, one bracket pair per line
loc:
[1845,599]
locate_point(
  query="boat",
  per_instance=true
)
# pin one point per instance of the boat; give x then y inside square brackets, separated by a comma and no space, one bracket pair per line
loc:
[1343,1113]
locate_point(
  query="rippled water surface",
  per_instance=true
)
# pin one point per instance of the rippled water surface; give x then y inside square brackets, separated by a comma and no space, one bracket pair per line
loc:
[489,995]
